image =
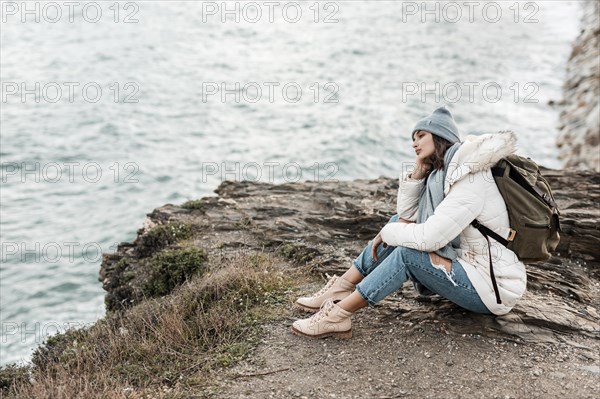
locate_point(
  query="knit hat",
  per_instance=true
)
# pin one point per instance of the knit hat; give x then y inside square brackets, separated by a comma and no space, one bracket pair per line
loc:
[441,123]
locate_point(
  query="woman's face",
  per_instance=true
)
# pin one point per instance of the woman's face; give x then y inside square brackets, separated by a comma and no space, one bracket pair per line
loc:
[423,144]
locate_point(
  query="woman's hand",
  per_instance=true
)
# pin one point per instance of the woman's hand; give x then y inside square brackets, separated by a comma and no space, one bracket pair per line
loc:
[378,240]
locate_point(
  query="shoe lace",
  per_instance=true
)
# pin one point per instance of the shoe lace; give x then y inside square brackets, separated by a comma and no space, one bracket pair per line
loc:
[323,311]
[329,284]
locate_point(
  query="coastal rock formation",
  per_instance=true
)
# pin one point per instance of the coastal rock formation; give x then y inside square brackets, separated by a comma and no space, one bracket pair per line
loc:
[325,225]
[579,136]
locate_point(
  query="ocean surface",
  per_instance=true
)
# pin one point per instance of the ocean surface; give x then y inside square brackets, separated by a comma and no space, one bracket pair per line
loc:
[109,111]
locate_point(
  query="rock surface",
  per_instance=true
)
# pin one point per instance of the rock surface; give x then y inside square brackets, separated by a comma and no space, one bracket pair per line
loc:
[324,226]
[579,136]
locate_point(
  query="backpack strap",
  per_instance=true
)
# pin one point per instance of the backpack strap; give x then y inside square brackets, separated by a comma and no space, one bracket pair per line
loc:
[532,189]
[487,232]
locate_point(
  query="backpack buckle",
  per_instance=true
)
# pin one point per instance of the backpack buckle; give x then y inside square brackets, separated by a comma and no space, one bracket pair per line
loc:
[512,235]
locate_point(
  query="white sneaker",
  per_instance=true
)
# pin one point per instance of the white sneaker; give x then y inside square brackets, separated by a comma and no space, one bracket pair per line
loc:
[336,288]
[330,321]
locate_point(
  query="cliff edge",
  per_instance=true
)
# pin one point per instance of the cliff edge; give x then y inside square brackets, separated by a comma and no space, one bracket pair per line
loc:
[579,129]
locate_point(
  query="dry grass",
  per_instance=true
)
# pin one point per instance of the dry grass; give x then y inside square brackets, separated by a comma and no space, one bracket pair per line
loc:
[164,347]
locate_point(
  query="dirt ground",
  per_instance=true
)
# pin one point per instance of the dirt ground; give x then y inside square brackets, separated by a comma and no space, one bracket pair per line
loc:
[391,357]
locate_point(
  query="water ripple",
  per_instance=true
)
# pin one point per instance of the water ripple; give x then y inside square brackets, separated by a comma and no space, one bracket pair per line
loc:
[152,151]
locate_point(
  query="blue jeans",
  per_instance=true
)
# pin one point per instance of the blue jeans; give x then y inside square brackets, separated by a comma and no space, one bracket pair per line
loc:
[397,264]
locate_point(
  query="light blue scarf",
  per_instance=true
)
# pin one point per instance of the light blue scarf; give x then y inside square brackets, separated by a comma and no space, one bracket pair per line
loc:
[432,195]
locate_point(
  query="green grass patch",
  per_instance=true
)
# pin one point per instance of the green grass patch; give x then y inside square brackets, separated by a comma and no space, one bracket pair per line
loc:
[171,268]
[162,236]
[177,341]
[193,204]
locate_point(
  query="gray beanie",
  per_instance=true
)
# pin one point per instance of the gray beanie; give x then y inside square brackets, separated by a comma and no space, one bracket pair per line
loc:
[441,123]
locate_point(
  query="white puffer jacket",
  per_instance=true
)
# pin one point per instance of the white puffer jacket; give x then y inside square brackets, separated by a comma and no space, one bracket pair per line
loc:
[470,193]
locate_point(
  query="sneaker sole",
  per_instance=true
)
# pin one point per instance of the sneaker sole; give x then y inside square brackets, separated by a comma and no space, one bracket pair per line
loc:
[335,334]
[306,308]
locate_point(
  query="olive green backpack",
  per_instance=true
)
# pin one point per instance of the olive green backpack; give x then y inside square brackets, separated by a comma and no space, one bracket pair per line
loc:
[532,212]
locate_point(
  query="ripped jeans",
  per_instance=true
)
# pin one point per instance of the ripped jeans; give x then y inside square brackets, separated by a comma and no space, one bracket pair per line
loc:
[397,264]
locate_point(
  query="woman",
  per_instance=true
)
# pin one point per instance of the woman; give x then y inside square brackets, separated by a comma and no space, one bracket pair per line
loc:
[430,240]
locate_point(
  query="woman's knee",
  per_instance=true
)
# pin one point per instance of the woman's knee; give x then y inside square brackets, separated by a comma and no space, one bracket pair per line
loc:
[412,257]
[398,254]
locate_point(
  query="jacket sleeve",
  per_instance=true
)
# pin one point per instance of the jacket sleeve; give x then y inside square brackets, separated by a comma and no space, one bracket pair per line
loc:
[450,218]
[409,193]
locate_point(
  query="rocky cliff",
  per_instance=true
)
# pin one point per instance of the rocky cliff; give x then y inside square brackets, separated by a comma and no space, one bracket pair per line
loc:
[324,226]
[579,130]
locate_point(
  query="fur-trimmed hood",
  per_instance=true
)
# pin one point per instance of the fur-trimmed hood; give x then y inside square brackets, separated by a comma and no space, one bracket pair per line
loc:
[479,153]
